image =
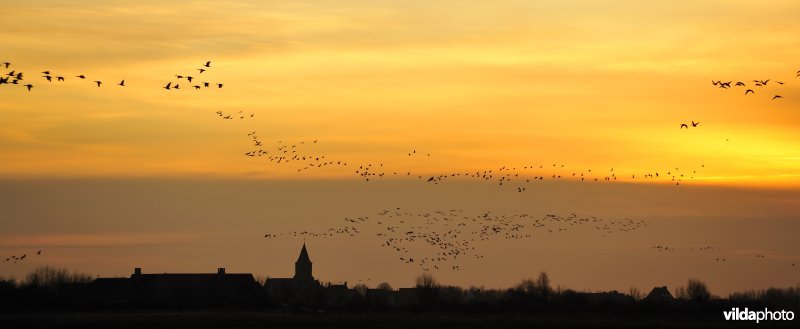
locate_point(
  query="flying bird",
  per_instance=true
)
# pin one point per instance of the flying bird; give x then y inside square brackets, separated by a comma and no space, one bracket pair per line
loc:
[748,91]
[81,76]
[167,86]
[122,83]
[683,125]
[29,86]
[98,82]
[694,124]
[777,96]
[208,64]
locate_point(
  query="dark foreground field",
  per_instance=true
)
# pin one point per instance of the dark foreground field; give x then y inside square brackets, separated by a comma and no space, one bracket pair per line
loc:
[366,320]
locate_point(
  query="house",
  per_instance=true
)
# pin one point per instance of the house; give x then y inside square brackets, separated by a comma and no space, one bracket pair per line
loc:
[659,294]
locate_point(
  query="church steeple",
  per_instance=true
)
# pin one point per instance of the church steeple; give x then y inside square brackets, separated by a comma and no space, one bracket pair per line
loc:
[302,267]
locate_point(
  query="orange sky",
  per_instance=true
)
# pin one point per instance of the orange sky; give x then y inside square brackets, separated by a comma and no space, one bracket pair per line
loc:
[478,85]
[587,83]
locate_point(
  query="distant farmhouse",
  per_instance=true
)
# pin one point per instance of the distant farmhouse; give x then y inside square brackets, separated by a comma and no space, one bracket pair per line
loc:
[660,295]
[179,290]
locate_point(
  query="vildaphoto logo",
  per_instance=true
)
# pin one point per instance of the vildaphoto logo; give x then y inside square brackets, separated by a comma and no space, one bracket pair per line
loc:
[747,315]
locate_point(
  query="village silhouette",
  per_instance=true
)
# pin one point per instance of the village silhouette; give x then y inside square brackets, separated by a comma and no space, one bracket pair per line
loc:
[52,289]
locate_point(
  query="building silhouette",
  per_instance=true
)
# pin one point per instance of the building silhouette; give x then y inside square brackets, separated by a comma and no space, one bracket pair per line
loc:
[301,289]
[180,290]
[660,294]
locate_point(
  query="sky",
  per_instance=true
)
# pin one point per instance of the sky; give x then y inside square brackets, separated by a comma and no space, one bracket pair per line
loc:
[104,179]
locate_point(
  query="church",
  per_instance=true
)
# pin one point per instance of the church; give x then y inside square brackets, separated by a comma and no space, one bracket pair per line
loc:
[302,289]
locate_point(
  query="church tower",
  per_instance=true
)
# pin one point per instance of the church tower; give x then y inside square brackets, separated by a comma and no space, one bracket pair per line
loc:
[302,267]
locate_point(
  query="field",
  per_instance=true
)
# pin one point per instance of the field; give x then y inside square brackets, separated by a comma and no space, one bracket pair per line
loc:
[364,320]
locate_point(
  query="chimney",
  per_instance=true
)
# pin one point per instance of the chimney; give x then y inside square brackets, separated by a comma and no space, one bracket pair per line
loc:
[137,271]
[221,270]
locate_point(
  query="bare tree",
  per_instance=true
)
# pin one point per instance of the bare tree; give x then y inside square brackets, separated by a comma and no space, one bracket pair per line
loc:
[635,293]
[426,281]
[543,285]
[697,291]
[427,289]
[385,286]
[527,286]
[361,289]
[54,278]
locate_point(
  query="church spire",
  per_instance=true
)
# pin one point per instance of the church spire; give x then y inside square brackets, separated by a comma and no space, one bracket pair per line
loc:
[304,255]
[302,267]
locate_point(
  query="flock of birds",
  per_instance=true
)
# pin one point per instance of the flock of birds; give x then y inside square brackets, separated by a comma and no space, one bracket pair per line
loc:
[519,178]
[17,77]
[447,235]
[758,84]
[441,239]
[191,79]
[16,259]
[669,249]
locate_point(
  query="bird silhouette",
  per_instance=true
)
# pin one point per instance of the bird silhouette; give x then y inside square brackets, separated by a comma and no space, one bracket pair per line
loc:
[122,83]
[683,125]
[98,82]
[694,124]
[777,97]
